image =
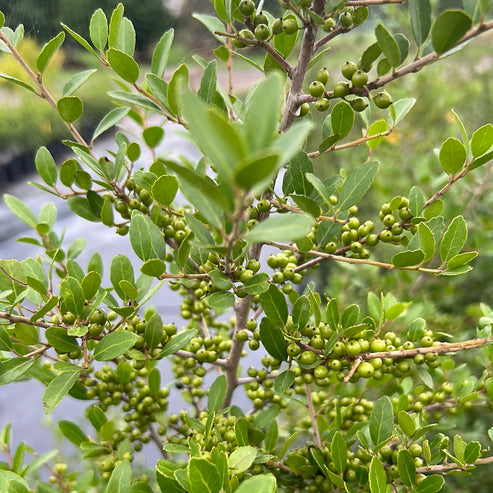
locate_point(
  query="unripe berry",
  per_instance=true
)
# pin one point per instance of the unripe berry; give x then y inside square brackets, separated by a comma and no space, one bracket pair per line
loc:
[346,20]
[366,369]
[383,100]
[316,89]
[246,7]
[322,104]
[323,76]
[289,26]
[262,32]
[348,69]
[359,78]
[341,89]
[277,26]
[304,109]
[386,236]
[260,18]
[359,104]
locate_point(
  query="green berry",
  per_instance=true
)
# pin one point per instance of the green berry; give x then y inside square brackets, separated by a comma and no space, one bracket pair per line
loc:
[359,79]
[277,26]
[346,20]
[348,69]
[263,205]
[353,348]
[382,100]
[260,18]
[341,89]
[386,236]
[322,104]
[316,89]
[262,32]
[331,247]
[289,26]
[304,109]
[359,104]
[366,369]
[308,358]
[323,76]
[246,7]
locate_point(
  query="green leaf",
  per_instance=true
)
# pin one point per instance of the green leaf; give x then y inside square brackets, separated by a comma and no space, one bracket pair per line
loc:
[48,51]
[406,423]
[242,458]
[70,108]
[274,305]
[72,432]
[389,45]
[342,119]
[60,340]
[264,107]
[476,163]
[377,127]
[46,167]
[453,239]
[221,300]
[426,241]
[17,82]
[482,140]
[161,53]
[146,238]
[154,331]
[406,467]
[120,478]
[399,109]
[307,205]
[79,39]
[283,381]
[114,344]
[121,32]
[290,142]
[135,99]
[98,29]
[176,87]
[257,171]
[257,284]
[177,342]
[203,476]
[273,340]
[12,369]
[378,478]
[20,209]
[123,65]
[431,484]
[218,139]
[452,155]
[461,259]
[76,81]
[448,29]
[200,231]
[338,450]
[472,452]
[369,56]
[59,387]
[109,120]
[164,189]
[357,184]
[420,14]
[212,24]
[71,296]
[121,269]
[208,83]
[408,258]
[263,483]
[285,227]
[381,420]
[217,394]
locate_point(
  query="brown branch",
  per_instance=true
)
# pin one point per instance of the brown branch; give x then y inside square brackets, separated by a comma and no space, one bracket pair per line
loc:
[451,466]
[313,417]
[358,3]
[354,143]
[45,94]
[442,348]
[24,320]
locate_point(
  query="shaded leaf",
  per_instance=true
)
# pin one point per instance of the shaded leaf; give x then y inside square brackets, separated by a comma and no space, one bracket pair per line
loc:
[161,53]
[420,14]
[109,120]
[217,394]
[284,227]
[177,342]
[48,50]
[381,420]
[453,239]
[448,29]
[273,340]
[357,184]
[114,344]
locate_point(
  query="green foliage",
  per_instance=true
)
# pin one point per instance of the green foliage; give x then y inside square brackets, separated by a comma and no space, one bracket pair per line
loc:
[351,393]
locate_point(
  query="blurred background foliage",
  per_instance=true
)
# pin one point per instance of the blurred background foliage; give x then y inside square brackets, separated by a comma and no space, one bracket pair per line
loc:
[462,82]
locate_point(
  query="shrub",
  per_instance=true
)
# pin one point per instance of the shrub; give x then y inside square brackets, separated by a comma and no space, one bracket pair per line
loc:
[355,395]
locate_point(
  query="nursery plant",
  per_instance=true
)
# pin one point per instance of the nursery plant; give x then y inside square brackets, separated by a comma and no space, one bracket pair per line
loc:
[284,388]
